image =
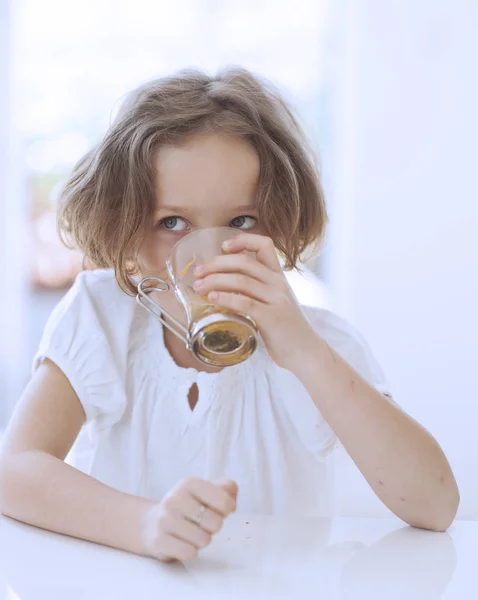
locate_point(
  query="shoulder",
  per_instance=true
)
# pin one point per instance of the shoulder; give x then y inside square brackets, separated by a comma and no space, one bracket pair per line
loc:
[94,305]
[86,336]
[347,341]
[331,326]
[100,286]
[97,289]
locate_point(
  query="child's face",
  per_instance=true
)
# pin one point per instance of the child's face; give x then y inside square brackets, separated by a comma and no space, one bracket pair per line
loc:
[209,181]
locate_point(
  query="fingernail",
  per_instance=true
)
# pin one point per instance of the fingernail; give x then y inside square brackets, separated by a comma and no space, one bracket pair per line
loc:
[213,296]
[198,283]
[199,270]
[227,245]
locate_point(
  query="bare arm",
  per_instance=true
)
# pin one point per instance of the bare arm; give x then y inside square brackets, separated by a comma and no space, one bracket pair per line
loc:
[38,488]
[401,461]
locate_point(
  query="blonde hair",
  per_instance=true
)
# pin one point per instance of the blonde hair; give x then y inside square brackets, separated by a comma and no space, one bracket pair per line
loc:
[107,204]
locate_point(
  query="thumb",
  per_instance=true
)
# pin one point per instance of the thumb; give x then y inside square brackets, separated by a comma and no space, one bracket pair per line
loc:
[229,486]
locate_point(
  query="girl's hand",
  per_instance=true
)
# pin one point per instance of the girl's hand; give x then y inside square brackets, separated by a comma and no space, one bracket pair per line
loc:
[258,288]
[170,530]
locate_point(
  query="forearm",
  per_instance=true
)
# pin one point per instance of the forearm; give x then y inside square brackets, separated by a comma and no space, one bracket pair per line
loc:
[41,490]
[401,461]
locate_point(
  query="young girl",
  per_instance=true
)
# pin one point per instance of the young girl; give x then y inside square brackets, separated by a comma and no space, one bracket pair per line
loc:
[169,448]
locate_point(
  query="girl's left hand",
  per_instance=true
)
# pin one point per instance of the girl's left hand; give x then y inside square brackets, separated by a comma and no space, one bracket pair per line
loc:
[258,288]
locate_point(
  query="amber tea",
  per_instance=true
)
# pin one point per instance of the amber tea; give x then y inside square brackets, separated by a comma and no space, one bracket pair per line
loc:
[216,336]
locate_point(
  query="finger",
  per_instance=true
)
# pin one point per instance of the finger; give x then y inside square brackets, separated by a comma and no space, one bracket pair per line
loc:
[211,495]
[183,505]
[236,263]
[236,283]
[230,486]
[236,302]
[263,247]
[170,547]
[211,521]
[187,531]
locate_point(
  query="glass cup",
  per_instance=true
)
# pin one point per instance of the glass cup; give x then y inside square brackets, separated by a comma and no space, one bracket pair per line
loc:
[215,335]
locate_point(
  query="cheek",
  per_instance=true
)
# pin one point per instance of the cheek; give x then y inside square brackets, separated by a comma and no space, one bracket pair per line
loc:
[259,229]
[153,255]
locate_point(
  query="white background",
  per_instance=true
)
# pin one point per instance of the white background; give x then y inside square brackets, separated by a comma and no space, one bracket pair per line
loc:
[404,245]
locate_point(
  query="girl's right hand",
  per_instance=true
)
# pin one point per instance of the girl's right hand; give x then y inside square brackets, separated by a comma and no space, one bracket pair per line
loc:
[170,532]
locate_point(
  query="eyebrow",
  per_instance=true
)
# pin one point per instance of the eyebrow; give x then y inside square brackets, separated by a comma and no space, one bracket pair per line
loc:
[178,209]
[171,209]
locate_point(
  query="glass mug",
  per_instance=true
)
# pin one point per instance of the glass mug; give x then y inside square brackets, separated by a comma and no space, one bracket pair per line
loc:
[215,335]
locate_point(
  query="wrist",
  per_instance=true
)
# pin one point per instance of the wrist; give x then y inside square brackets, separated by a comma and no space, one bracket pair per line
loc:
[148,515]
[302,360]
[138,525]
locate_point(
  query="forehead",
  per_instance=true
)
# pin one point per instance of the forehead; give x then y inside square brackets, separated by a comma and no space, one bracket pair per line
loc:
[207,171]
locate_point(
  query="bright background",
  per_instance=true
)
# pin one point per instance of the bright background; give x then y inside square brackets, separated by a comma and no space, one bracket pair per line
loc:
[388,93]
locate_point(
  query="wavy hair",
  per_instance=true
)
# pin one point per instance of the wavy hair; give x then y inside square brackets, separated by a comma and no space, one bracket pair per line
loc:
[107,203]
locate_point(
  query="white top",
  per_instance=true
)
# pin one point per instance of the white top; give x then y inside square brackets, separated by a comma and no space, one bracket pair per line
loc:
[252,558]
[254,422]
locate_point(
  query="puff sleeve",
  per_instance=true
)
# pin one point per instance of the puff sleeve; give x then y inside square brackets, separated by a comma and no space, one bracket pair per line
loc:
[76,340]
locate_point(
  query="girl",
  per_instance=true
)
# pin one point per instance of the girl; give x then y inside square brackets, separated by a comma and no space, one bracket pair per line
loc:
[169,448]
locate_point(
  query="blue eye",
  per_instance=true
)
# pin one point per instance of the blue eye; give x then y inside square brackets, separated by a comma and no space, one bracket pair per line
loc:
[244,222]
[173,224]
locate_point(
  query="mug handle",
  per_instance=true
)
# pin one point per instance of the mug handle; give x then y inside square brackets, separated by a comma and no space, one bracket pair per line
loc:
[154,284]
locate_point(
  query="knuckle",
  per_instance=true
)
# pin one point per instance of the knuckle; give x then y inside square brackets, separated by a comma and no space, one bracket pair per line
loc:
[187,553]
[164,522]
[222,505]
[242,280]
[242,260]
[169,504]
[239,304]
[190,483]
[164,557]
[216,525]
[213,263]
[226,504]
[247,304]
[205,539]
[206,281]
[239,238]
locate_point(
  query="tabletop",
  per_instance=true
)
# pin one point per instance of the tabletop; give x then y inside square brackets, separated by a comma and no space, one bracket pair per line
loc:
[252,557]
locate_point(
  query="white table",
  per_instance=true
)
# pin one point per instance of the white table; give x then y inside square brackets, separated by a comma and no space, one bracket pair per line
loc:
[252,557]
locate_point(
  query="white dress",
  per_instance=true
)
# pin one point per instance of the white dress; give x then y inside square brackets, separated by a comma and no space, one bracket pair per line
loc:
[254,422]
